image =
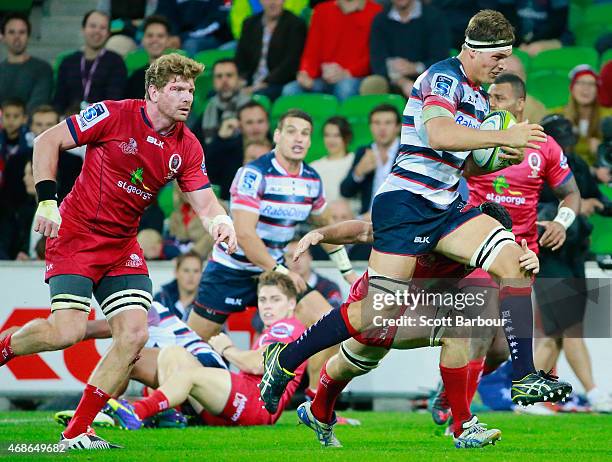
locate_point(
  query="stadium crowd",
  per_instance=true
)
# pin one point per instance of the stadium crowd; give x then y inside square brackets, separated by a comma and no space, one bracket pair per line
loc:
[345,48]
[351,65]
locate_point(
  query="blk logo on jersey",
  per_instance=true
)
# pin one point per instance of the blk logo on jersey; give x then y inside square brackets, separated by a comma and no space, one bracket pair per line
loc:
[155,141]
[421,240]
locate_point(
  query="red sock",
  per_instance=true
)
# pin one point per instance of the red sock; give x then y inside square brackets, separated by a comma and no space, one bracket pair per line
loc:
[310,393]
[6,352]
[455,384]
[325,400]
[92,401]
[151,405]
[474,374]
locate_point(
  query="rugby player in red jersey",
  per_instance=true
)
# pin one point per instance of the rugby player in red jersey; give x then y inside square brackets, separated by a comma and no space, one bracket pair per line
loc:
[224,398]
[518,189]
[134,147]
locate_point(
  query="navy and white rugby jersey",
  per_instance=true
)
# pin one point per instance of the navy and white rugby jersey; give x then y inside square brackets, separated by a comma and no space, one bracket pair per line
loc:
[419,168]
[281,200]
[166,329]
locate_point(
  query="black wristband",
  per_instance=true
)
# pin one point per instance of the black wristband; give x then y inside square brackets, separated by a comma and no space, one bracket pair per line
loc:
[46,190]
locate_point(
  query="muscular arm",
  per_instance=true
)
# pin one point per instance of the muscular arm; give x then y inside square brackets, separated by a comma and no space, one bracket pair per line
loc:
[47,147]
[252,245]
[205,204]
[324,219]
[250,361]
[347,232]
[568,195]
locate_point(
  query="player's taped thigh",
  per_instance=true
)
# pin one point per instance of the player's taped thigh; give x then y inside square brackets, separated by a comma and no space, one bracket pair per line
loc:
[383,300]
[117,294]
[362,357]
[489,248]
[70,292]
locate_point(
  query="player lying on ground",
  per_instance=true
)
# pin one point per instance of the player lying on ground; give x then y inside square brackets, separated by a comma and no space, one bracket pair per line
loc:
[363,353]
[134,148]
[223,397]
[418,211]
[518,187]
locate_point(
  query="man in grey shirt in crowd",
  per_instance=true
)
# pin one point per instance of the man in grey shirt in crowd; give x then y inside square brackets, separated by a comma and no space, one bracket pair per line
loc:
[21,75]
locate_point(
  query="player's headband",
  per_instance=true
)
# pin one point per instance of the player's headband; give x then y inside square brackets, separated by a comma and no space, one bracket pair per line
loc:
[492,46]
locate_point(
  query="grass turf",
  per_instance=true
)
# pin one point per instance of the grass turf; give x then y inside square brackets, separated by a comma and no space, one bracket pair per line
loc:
[383,436]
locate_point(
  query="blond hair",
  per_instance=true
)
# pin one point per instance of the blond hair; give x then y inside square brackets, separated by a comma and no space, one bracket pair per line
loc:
[489,25]
[164,68]
[276,279]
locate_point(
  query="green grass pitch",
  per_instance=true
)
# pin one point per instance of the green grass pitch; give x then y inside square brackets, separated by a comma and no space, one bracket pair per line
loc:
[383,436]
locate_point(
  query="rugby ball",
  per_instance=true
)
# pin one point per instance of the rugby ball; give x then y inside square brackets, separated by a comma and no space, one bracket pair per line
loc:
[488,158]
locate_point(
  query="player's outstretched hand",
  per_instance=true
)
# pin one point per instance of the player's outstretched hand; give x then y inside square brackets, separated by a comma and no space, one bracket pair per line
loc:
[311,238]
[298,282]
[554,234]
[225,233]
[524,135]
[529,260]
[47,220]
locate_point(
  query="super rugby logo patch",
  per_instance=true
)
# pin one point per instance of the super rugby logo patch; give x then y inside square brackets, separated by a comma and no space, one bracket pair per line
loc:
[443,85]
[92,115]
[248,184]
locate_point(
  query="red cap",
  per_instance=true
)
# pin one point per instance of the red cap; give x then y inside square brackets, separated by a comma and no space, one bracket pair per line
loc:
[579,71]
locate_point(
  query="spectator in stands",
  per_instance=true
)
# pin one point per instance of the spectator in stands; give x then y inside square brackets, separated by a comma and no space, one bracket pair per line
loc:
[243,9]
[585,113]
[154,41]
[561,286]
[185,230]
[254,149]
[15,150]
[94,74]
[179,294]
[402,45]
[333,168]
[126,21]
[541,25]
[151,243]
[373,163]
[21,75]
[336,56]
[605,89]
[196,25]
[226,101]
[69,165]
[225,154]
[303,267]
[269,49]
[457,14]
[534,109]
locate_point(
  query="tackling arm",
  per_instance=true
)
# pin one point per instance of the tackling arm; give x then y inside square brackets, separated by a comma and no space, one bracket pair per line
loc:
[252,245]
[249,361]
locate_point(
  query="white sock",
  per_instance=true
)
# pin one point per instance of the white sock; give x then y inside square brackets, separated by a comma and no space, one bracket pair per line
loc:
[594,395]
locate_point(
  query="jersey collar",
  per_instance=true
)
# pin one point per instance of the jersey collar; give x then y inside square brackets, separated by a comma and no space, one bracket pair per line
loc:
[276,164]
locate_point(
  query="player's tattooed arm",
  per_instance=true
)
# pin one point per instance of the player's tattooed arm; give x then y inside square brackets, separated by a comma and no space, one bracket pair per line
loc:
[569,206]
[568,194]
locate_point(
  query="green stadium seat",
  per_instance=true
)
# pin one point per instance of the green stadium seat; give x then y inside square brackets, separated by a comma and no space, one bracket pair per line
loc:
[361,135]
[564,59]
[165,200]
[607,56]
[357,108]
[135,60]
[263,100]
[18,6]
[524,57]
[601,237]
[317,147]
[320,106]
[453,52]
[596,21]
[550,87]
[210,57]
